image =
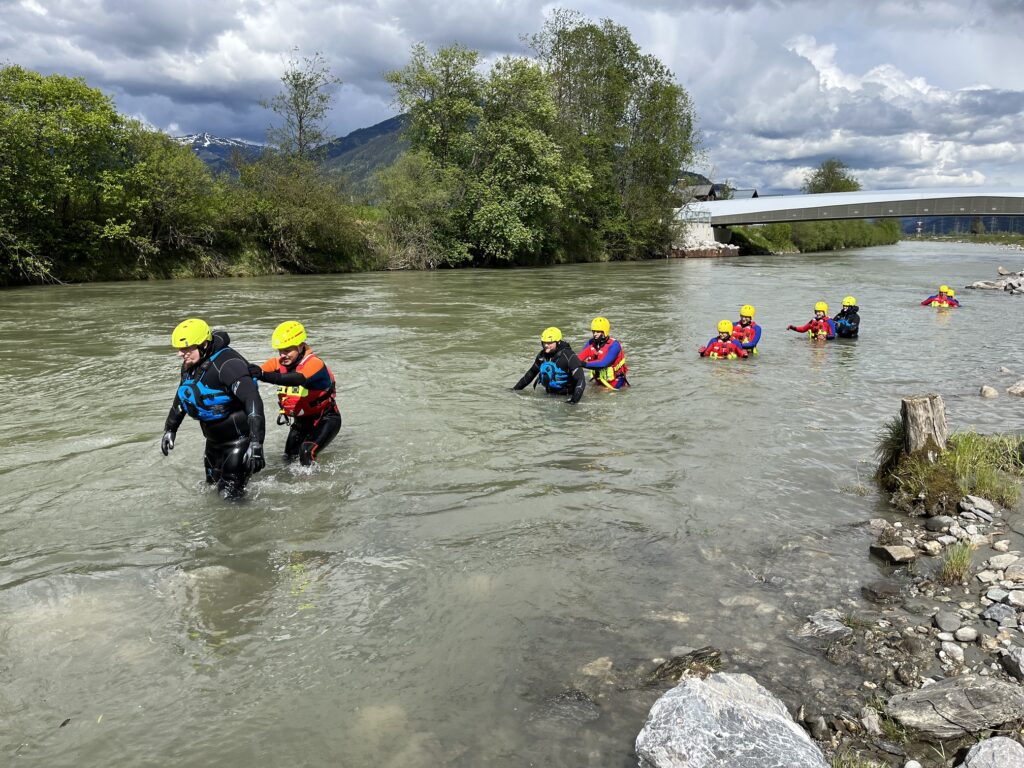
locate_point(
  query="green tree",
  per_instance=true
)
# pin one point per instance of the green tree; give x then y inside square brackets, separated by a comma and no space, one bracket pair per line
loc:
[833,175]
[303,104]
[441,94]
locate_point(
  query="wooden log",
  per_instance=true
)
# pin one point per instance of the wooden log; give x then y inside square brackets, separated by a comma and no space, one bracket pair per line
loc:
[924,425]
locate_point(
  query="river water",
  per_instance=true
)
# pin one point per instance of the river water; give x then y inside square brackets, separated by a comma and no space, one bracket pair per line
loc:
[462,553]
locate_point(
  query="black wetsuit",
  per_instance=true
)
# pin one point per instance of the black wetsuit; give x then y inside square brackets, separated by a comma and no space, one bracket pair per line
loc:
[221,395]
[847,322]
[560,373]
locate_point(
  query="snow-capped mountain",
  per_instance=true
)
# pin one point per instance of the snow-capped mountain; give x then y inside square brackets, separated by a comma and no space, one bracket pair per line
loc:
[216,151]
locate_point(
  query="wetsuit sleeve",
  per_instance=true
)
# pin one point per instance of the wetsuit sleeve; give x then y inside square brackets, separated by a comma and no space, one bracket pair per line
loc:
[704,349]
[578,377]
[245,390]
[529,376]
[175,416]
[929,300]
[954,302]
[737,349]
[601,359]
[586,352]
[802,328]
[831,328]
[753,342]
[293,379]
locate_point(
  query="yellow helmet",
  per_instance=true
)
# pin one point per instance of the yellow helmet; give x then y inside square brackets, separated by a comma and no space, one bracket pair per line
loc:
[190,333]
[943,289]
[551,334]
[725,326]
[951,292]
[288,334]
[849,301]
[601,324]
[821,306]
[747,311]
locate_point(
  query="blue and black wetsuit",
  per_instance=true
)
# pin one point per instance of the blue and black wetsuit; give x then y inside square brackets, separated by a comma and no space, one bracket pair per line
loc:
[847,322]
[560,373]
[222,396]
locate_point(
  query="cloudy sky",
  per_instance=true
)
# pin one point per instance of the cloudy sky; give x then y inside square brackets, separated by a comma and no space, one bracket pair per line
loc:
[907,93]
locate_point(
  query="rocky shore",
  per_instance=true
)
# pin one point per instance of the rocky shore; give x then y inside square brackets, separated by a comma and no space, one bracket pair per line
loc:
[1011,282]
[939,654]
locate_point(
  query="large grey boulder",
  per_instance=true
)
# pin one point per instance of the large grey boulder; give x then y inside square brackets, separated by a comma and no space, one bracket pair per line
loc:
[957,706]
[997,752]
[725,721]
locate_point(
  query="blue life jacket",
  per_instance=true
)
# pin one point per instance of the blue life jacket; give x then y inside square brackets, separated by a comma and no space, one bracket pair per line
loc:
[201,401]
[553,378]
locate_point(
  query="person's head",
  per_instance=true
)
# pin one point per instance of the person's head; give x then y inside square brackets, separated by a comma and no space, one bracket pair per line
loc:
[943,290]
[193,339]
[600,328]
[951,293]
[724,329]
[549,339]
[849,303]
[747,314]
[289,339]
[820,310]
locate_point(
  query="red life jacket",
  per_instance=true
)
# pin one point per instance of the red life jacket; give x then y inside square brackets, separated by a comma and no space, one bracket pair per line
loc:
[723,349]
[300,401]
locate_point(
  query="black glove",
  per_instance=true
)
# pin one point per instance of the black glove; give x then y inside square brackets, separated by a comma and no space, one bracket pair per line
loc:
[254,457]
[255,371]
[167,442]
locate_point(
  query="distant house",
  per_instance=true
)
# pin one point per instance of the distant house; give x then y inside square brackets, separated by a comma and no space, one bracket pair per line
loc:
[744,194]
[693,187]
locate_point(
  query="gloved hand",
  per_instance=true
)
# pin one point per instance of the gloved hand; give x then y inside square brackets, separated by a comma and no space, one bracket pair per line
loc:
[790,327]
[254,457]
[167,442]
[255,371]
[702,350]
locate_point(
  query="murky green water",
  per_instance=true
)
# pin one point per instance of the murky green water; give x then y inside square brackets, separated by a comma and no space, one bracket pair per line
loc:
[462,551]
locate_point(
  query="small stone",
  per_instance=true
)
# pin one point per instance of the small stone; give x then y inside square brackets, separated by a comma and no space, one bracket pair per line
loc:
[869,685]
[881,591]
[947,540]
[597,667]
[953,652]
[977,503]
[987,391]
[931,548]
[945,637]
[1000,562]
[1014,572]
[946,621]
[978,540]
[1003,545]
[998,613]
[912,764]
[988,643]
[1016,598]
[987,577]
[894,553]
[1013,661]
[966,634]
[938,523]
[997,594]
[871,721]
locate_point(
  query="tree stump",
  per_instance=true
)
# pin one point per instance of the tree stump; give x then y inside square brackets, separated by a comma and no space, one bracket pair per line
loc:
[924,425]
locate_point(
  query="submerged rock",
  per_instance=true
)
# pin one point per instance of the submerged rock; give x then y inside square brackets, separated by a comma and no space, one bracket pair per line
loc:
[726,721]
[997,752]
[826,623]
[958,706]
[987,391]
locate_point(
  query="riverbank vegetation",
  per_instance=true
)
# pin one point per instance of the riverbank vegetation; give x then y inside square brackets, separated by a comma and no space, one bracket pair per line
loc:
[989,466]
[565,155]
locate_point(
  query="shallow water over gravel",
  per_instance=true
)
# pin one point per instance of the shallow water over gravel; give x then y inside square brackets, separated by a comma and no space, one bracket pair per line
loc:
[462,551]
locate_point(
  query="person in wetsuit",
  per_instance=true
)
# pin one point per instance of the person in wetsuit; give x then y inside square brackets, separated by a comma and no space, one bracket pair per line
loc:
[746,332]
[217,390]
[847,322]
[603,356]
[944,298]
[556,368]
[723,345]
[305,393]
[820,327]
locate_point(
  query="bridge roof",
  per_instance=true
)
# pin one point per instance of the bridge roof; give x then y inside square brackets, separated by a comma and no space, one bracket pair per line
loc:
[961,201]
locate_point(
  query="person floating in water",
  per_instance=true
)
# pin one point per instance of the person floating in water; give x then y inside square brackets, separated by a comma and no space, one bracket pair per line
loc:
[723,345]
[556,368]
[944,298]
[821,327]
[746,332]
[847,322]
[305,393]
[217,390]
[603,356]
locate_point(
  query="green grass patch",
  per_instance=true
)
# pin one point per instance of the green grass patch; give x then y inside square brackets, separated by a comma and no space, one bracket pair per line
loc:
[956,564]
[850,760]
[990,466]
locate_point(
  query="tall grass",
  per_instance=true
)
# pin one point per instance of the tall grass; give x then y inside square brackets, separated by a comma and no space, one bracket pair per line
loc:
[991,466]
[956,564]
